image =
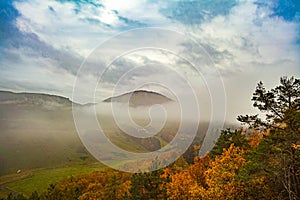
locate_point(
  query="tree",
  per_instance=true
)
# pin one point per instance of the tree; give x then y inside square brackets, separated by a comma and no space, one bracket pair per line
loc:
[179,165]
[117,185]
[147,185]
[275,103]
[34,196]
[182,186]
[223,178]
[277,158]
[109,184]
[228,137]
[188,184]
[16,197]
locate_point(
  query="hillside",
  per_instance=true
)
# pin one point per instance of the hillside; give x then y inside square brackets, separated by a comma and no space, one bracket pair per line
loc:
[140,98]
[33,99]
[37,130]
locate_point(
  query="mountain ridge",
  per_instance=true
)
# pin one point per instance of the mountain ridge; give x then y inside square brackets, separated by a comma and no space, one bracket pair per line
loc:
[9,97]
[139,98]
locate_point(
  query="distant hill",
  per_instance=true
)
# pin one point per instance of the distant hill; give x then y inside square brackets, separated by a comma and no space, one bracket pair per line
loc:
[37,130]
[9,98]
[140,98]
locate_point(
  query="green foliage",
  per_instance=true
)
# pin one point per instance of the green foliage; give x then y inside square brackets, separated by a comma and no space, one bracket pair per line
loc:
[228,137]
[191,153]
[16,197]
[34,196]
[274,103]
[276,161]
[147,186]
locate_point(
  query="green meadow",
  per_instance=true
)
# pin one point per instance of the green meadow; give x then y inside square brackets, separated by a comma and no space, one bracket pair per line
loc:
[40,179]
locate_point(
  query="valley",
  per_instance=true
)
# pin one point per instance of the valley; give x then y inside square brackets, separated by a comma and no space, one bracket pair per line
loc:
[39,143]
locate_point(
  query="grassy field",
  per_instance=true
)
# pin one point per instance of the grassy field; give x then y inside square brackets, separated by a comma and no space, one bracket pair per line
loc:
[39,179]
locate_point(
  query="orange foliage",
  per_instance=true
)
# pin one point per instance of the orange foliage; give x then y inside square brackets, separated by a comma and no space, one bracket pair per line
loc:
[182,186]
[255,138]
[222,177]
[210,179]
[98,185]
[188,184]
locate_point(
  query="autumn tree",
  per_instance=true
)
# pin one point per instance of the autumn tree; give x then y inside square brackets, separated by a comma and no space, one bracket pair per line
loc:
[218,178]
[182,186]
[189,183]
[108,184]
[223,176]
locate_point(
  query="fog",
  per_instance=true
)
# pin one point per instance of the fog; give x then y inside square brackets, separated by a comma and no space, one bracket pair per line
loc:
[47,131]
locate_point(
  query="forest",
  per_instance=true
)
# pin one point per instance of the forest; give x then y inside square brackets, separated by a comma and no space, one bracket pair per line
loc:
[260,160]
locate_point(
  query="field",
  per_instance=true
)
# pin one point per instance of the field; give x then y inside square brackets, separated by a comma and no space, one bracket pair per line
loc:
[39,179]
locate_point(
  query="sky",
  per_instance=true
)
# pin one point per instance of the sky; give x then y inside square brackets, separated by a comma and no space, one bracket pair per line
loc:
[43,45]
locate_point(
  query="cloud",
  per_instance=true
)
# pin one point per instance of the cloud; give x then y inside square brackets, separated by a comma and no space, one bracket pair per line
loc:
[25,59]
[147,68]
[79,26]
[43,43]
[248,35]
[235,34]
[64,29]
[145,11]
[25,70]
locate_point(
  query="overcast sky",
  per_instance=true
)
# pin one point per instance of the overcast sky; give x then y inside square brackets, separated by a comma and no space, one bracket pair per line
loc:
[43,43]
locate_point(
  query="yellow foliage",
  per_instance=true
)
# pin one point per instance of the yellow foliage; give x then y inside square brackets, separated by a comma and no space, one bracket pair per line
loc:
[188,184]
[182,186]
[221,178]
[210,179]
[296,146]
[255,138]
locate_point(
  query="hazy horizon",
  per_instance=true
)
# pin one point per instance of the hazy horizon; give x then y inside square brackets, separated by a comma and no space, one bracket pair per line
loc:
[44,44]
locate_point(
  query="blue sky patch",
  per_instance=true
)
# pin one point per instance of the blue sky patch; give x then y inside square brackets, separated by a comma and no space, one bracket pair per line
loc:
[194,12]
[287,9]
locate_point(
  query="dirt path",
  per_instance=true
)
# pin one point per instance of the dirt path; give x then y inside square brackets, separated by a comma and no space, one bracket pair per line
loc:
[3,188]
[3,184]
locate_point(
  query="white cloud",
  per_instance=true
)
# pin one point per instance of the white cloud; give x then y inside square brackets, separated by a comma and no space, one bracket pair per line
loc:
[63,28]
[246,35]
[33,72]
[249,35]
[139,10]
[120,6]
[80,28]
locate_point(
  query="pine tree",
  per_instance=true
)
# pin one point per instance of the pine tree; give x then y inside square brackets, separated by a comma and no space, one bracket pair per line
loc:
[277,157]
